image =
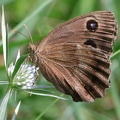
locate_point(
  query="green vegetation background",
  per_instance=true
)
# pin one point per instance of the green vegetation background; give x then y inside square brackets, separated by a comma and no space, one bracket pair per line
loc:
[58,11]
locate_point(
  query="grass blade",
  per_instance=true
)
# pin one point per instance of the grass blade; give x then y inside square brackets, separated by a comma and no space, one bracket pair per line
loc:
[117,52]
[116,98]
[4,38]
[38,10]
[47,95]
[16,111]
[38,118]
[3,106]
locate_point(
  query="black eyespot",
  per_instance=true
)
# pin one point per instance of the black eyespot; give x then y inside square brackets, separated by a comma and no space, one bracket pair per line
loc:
[91,43]
[92,25]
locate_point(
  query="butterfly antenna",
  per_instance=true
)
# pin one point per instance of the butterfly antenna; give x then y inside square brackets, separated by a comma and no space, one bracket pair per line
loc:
[28,32]
[20,33]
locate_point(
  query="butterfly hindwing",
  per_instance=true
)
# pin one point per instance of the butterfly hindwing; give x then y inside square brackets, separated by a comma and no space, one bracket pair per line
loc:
[76,70]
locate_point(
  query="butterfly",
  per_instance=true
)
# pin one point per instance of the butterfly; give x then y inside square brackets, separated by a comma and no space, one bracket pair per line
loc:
[75,57]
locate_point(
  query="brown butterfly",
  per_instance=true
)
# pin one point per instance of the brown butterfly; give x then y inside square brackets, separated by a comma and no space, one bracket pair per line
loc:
[74,57]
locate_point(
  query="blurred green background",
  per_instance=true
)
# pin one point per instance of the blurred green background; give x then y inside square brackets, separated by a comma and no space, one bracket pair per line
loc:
[42,16]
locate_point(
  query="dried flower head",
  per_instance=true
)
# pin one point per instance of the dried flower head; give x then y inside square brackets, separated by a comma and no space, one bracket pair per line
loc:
[25,76]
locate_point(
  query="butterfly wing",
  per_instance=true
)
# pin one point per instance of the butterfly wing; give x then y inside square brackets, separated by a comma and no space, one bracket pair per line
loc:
[75,56]
[77,30]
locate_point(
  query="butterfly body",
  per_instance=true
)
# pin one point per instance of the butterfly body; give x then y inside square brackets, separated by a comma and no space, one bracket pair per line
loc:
[75,56]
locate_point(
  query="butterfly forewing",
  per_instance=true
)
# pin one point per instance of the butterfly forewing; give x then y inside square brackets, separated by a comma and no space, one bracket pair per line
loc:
[75,56]
[76,31]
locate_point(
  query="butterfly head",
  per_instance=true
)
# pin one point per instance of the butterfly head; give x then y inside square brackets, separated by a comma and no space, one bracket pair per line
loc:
[32,56]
